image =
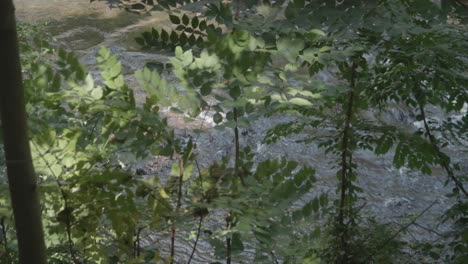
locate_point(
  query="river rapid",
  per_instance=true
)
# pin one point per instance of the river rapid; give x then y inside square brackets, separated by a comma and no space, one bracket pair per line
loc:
[391,194]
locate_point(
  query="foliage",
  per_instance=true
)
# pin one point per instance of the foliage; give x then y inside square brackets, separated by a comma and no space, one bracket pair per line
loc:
[88,133]
[188,32]
[376,238]
[364,51]
[34,44]
[82,133]
[260,205]
[458,214]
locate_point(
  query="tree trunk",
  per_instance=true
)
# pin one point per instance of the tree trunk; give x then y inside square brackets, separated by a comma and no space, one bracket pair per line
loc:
[21,177]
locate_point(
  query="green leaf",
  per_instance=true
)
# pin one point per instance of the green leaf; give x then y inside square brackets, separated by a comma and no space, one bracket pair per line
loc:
[154,34]
[300,101]
[235,92]
[119,81]
[179,52]
[56,170]
[89,83]
[249,108]
[189,30]
[195,22]
[62,54]
[237,245]
[147,37]
[115,70]
[323,200]
[110,84]
[185,19]
[206,88]
[314,34]
[290,47]
[174,38]
[188,171]
[200,41]
[175,170]
[140,41]
[103,52]
[299,3]
[217,118]
[174,19]
[315,205]
[164,35]
[183,39]
[56,83]
[68,162]
[202,25]
[243,123]
[188,58]
[97,93]
[230,116]
[191,40]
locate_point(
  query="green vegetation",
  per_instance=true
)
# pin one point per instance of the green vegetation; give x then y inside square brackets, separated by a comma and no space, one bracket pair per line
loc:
[86,132]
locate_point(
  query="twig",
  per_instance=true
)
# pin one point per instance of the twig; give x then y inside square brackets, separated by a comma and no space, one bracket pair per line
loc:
[357,211]
[179,203]
[66,209]
[350,191]
[345,167]
[94,128]
[136,244]
[274,257]
[237,147]
[403,228]
[428,229]
[196,239]
[442,160]
[5,239]
[236,16]
[199,175]
[228,238]
[411,234]
[201,125]
[173,233]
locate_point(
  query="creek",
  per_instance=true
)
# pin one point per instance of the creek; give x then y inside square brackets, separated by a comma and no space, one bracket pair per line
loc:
[391,194]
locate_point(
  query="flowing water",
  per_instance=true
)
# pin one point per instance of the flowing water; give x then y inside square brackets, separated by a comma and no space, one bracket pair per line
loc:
[391,194]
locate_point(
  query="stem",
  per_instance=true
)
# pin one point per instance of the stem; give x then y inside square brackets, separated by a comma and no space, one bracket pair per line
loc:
[136,244]
[345,167]
[241,178]
[201,125]
[173,232]
[237,147]
[91,134]
[428,229]
[237,9]
[196,239]
[4,235]
[199,174]
[68,225]
[201,217]
[179,202]
[385,243]
[274,257]
[350,186]
[442,160]
[66,209]
[228,239]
